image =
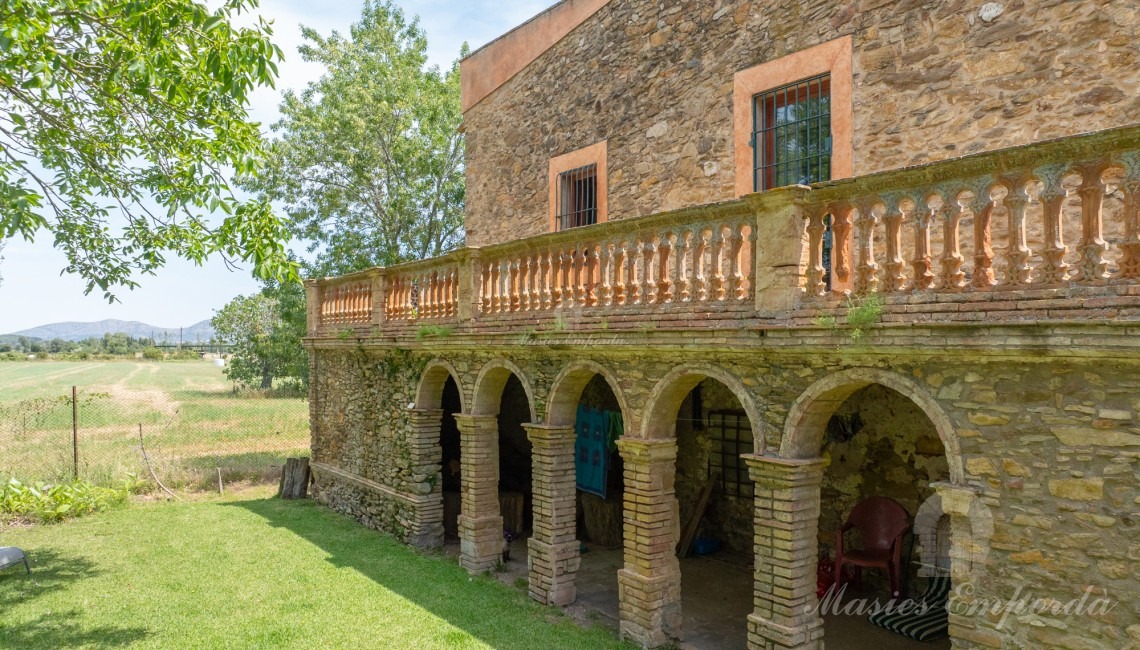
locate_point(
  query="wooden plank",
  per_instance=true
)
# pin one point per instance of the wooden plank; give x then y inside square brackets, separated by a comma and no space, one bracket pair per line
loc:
[689,532]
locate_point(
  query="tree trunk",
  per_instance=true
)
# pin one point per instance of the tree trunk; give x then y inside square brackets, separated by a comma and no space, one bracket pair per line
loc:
[294,479]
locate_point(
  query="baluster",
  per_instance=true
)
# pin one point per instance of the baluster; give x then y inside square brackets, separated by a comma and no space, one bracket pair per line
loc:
[556,279]
[737,251]
[619,273]
[815,229]
[894,277]
[445,293]
[361,304]
[524,283]
[493,284]
[684,265]
[592,264]
[513,286]
[1093,267]
[509,272]
[497,286]
[866,273]
[631,255]
[702,281]
[437,299]
[566,280]
[1017,272]
[925,213]
[581,262]
[605,293]
[952,278]
[841,230]
[664,272]
[983,209]
[547,268]
[1054,269]
[650,266]
[1130,247]
[536,282]
[484,287]
[454,305]
[389,300]
[719,241]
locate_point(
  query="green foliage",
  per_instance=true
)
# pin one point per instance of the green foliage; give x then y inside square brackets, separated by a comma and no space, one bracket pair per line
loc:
[861,314]
[54,503]
[433,331]
[369,159]
[152,354]
[135,111]
[265,330]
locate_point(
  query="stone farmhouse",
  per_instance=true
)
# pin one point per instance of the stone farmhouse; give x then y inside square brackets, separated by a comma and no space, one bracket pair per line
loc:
[790,255]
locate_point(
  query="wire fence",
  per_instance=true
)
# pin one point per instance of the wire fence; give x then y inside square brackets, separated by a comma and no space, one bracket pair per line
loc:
[190,436]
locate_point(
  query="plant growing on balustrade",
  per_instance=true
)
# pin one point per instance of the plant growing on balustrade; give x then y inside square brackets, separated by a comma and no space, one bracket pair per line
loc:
[861,314]
[433,331]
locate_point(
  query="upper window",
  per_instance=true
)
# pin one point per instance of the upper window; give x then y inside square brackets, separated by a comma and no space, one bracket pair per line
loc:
[791,135]
[578,188]
[577,197]
[792,119]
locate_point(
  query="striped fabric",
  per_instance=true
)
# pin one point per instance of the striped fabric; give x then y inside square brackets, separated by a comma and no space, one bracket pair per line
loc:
[927,626]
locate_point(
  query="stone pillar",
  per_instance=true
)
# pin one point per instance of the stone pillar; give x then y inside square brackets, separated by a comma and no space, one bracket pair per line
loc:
[971,527]
[554,557]
[649,586]
[480,524]
[786,546]
[424,453]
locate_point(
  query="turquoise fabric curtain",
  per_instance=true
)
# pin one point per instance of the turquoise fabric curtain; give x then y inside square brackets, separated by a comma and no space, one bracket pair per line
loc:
[596,436]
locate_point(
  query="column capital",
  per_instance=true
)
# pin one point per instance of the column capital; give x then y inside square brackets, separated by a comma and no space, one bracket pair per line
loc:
[645,450]
[771,470]
[541,434]
[468,423]
[956,499]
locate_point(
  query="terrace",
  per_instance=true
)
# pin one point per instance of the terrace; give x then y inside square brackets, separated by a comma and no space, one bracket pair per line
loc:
[1044,232]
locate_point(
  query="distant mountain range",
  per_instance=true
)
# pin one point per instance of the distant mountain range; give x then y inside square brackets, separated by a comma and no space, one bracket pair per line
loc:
[198,332]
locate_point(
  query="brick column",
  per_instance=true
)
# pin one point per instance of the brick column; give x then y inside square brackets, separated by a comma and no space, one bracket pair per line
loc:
[480,524]
[424,456]
[786,546]
[649,586]
[554,557]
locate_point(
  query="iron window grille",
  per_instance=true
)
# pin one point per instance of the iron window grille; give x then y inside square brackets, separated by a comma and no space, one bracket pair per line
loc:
[731,436]
[577,197]
[791,135]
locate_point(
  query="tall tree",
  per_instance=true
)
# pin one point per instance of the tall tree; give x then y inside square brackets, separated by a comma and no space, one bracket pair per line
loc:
[135,111]
[369,159]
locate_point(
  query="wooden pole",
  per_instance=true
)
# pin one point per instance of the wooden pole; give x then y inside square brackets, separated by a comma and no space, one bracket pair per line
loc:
[220,491]
[75,432]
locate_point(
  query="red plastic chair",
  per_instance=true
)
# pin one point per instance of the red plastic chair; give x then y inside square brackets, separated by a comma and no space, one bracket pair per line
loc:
[882,523]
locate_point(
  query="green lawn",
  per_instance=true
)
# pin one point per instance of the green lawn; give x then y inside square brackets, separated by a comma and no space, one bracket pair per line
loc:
[191,418]
[257,573]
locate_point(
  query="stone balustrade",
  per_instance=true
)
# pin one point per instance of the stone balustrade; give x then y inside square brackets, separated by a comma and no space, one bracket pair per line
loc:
[1024,229]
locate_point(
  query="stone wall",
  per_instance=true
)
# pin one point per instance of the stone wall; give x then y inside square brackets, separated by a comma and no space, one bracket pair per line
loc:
[1048,442]
[932,80]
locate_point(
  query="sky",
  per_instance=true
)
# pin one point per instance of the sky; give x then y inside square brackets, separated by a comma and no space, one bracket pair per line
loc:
[33,291]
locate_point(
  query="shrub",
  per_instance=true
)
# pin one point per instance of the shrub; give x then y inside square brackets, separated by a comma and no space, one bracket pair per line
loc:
[54,503]
[152,354]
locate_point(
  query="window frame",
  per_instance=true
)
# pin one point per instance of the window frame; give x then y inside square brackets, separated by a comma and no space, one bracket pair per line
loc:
[595,155]
[833,58]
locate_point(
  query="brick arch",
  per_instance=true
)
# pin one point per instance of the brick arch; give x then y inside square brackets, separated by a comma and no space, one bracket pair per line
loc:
[567,389]
[489,388]
[665,401]
[804,427]
[429,394]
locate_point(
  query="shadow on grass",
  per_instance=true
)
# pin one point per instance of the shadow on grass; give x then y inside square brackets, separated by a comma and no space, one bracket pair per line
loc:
[481,608]
[51,572]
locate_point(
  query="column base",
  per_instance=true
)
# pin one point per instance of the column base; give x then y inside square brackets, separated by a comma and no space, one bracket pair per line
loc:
[650,608]
[481,543]
[767,635]
[552,568]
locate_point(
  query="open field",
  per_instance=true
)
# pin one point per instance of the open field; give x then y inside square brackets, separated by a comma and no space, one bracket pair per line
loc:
[285,574]
[191,420]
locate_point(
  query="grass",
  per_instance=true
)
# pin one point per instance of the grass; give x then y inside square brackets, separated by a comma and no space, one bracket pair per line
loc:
[191,418]
[254,572]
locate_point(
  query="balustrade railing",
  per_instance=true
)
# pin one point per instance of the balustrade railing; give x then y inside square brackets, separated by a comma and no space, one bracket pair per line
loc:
[700,264]
[1001,228]
[1046,216]
[346,302]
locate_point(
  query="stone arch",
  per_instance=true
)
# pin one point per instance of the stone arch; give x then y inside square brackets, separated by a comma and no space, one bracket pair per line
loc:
[567,389]
[665,400]
[804,428]
[429,394]
[489,388]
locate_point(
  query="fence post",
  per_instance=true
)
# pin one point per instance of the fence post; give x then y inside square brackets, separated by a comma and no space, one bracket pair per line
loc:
[75,432]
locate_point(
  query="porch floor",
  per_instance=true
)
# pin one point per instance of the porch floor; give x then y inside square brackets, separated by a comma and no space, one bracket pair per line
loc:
[716,597]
